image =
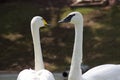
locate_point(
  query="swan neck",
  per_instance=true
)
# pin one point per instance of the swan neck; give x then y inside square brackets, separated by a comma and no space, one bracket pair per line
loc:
[37,49]
[77,50]
[75,68]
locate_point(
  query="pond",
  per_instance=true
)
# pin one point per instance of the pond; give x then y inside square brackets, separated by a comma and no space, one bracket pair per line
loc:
[13,76]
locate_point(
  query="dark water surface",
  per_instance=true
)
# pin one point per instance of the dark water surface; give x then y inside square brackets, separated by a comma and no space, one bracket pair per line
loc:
[13,76]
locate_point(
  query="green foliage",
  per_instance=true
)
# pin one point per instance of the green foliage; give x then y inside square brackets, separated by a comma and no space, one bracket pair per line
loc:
[84,10]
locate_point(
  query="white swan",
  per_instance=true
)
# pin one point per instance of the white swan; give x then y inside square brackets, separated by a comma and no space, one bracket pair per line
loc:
[103,72]
[40,73]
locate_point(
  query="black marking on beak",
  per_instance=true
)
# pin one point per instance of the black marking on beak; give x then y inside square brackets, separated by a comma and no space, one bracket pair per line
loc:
[67,19]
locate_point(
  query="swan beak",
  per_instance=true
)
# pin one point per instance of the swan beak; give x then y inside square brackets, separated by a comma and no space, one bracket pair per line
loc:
[63,20]
[45,23]
[66,19]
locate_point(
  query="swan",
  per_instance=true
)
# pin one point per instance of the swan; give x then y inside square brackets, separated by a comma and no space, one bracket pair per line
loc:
[102,72]
[40,73]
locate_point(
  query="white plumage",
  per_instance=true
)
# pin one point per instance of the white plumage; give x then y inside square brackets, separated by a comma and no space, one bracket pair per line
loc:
[40,73]
[29,74]
[102,72]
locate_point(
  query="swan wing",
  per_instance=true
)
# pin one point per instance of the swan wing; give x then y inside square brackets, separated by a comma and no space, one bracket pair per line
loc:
[103,72]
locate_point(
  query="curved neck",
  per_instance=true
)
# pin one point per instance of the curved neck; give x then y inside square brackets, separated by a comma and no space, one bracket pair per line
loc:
[37,49]
[75,68]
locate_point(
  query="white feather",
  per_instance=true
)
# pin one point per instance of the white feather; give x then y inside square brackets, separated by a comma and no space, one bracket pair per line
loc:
[40,73]
[102,72]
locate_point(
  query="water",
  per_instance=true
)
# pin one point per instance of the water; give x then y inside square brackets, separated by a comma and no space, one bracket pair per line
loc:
[8,76]
[13,76]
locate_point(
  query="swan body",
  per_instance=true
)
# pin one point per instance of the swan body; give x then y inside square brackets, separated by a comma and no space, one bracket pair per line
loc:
[40,73]
[29,74]
[102,72]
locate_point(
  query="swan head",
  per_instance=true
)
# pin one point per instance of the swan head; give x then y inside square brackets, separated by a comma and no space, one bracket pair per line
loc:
[73,17]
[38,21]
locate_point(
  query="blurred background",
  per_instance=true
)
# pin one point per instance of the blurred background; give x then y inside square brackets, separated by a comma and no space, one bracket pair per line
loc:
[101,44]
